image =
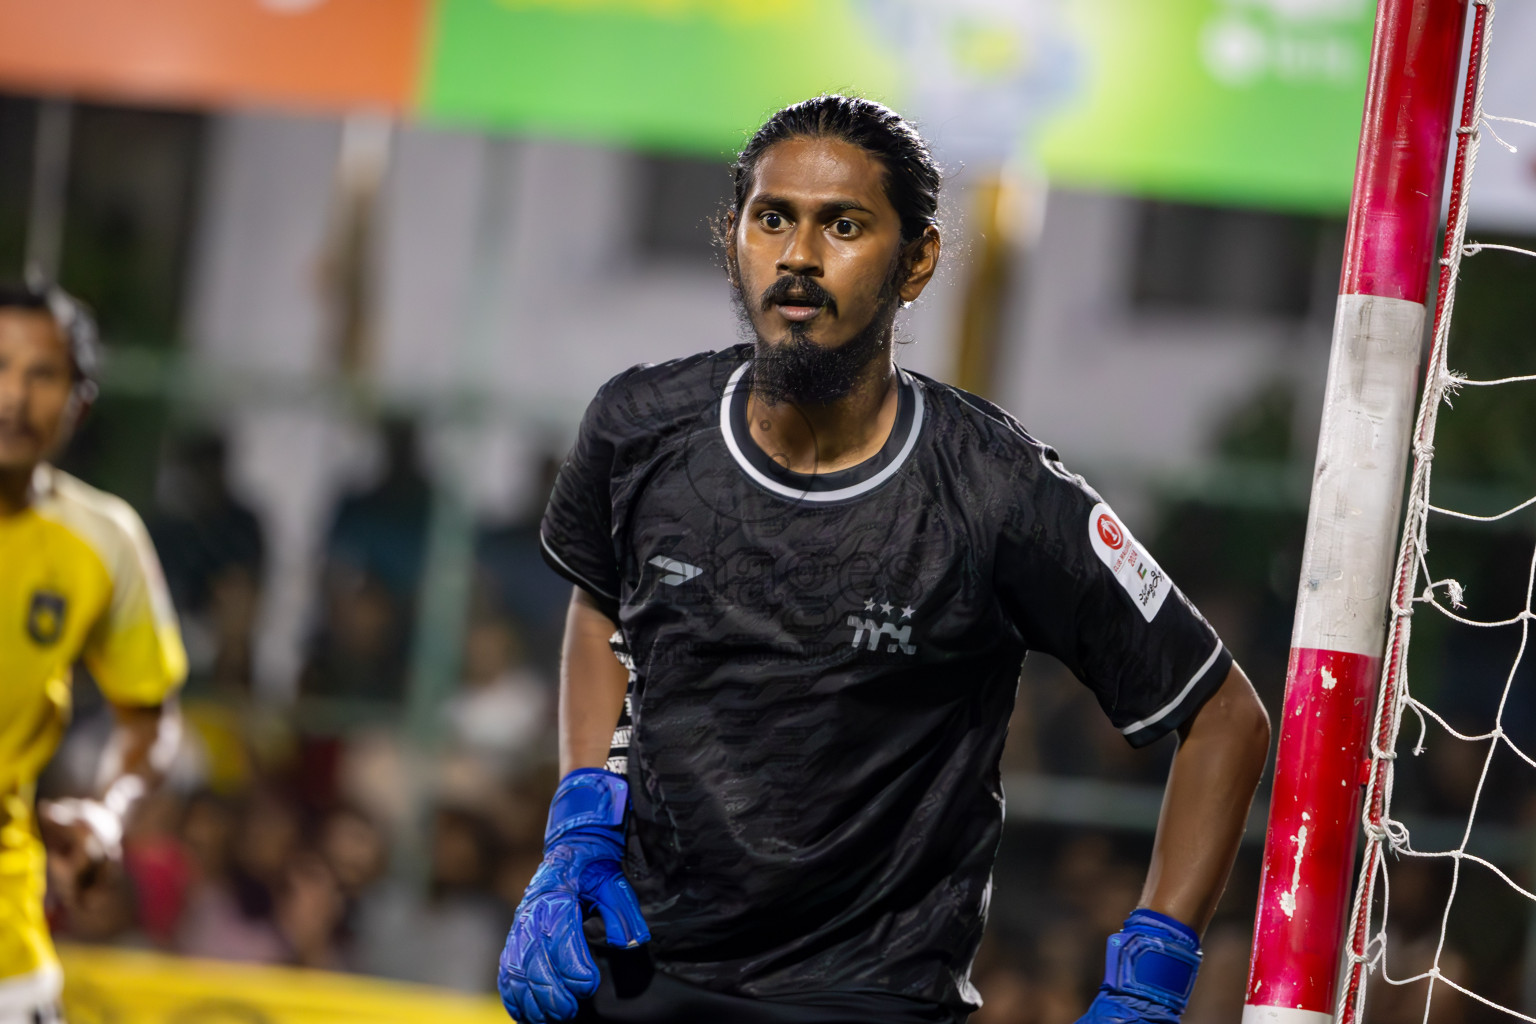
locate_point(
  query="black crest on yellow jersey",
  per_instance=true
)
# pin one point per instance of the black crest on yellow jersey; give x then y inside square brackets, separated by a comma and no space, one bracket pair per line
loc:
[45,617]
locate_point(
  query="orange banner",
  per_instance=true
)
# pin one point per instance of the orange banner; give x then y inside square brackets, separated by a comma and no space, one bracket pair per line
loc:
[288,53]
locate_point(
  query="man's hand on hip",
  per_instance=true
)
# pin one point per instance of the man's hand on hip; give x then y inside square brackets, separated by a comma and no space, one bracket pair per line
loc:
[1149,972]
[546,965]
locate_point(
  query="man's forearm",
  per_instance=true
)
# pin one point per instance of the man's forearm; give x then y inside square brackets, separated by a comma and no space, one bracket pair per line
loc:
[138,754]
[1210,789]
[592,685]
[82,833]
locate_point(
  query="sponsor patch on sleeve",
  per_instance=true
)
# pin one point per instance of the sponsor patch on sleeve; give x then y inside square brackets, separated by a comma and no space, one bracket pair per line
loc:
[1134,569]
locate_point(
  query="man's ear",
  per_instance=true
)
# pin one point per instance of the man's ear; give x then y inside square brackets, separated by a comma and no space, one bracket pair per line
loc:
[75,411]
[81,398]
[922,258]
[728,236]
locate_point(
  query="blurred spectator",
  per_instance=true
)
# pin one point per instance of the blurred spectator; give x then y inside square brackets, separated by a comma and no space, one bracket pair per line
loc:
[213,553]
[310,909]
[1222,983]
[1009,996]
[503,712]
[522,820]
[159,865]
[513,572]
[266,838]
[373,565]
[103,911]
[1003,974]
[380,776]
[230,912]
[382,531]
[361,649]
[354,850]
[1006,989]
[451,938]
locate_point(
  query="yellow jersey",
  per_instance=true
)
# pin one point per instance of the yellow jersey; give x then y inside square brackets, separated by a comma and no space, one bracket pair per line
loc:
[79,581]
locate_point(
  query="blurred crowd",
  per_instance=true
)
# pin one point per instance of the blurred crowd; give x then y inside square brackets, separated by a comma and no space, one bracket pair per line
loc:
[334,833]
[337,833]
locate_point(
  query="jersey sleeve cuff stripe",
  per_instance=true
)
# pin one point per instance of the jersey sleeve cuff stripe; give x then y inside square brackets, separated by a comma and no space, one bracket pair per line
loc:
[571,574]
[25,992]
[1143,730]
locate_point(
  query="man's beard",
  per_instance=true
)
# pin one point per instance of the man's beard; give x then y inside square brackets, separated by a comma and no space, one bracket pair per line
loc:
[797,369]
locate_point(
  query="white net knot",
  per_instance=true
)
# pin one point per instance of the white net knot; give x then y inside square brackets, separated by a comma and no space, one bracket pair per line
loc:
[1449,384]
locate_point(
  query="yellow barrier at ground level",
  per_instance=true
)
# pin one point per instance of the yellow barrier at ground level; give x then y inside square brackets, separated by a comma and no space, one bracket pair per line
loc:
[117,986]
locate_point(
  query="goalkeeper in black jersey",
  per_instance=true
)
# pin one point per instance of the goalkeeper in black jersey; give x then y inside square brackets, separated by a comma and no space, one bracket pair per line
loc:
[822,573]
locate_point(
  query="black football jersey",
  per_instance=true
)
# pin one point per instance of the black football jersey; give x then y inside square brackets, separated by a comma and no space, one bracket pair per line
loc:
[824,666]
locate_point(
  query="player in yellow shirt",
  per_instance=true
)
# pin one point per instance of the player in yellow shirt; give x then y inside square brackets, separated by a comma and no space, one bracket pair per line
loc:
[79,581]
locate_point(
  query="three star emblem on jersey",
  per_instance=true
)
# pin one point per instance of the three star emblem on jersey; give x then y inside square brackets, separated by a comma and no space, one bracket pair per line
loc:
[870,631]
[45,617]
[676,572]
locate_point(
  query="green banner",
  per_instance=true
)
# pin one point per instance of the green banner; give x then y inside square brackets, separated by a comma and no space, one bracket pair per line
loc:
[689,75]
[1255,102]
[1233,101]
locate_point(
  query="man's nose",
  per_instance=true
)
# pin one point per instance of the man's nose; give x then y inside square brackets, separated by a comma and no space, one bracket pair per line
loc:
[13,393]
[801,255]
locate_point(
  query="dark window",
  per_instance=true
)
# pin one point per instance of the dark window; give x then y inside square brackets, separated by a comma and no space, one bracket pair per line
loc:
[129,203]
[1217,259]
[18,127]
[679,199]
[128,220]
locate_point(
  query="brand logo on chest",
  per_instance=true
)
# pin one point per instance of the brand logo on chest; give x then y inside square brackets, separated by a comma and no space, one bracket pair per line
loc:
[45,617]
[677,573]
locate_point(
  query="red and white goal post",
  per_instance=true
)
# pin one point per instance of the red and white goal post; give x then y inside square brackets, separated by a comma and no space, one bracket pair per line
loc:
[1352,574]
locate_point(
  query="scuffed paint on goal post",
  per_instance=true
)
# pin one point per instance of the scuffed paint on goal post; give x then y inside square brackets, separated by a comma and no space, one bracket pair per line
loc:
[1354,515]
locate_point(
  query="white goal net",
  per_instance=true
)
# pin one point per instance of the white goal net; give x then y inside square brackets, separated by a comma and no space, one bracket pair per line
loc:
[1447,888]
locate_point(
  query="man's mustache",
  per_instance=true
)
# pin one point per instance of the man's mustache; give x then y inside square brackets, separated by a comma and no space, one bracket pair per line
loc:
[17,427]
[795,290]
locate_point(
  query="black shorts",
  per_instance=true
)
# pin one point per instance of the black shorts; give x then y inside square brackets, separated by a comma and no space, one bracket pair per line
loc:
[633,991]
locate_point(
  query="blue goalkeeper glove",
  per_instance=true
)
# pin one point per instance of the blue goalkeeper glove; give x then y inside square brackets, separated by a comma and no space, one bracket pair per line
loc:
[546,965]
[1149,971]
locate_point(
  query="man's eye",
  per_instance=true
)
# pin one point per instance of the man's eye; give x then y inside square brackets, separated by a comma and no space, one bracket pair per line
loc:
[845,227]
[772,221]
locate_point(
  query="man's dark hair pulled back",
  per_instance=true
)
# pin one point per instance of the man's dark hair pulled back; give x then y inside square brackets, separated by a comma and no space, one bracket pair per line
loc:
[912,178]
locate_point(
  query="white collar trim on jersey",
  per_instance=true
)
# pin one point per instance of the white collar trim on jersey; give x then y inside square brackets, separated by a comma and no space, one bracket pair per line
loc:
[841,493]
